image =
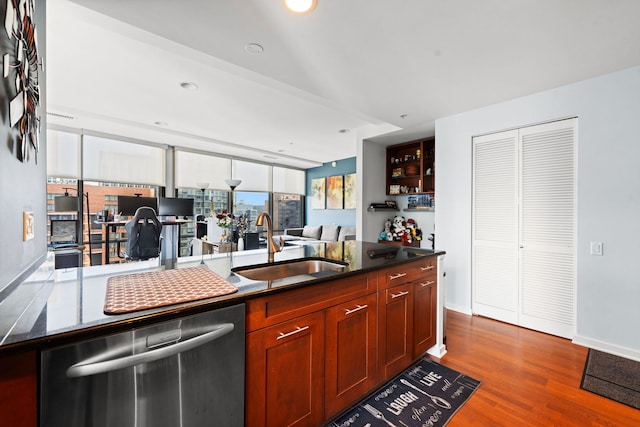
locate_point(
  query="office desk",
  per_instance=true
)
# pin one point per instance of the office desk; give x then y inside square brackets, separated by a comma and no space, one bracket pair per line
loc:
[205,247]
[172,240]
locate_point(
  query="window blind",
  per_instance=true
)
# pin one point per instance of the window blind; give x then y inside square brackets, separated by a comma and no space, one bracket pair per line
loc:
[118,161]
[193,169]
[254,176]
[63,154]
[290,181]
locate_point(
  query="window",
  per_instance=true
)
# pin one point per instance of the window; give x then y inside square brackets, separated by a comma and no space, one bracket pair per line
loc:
[288,211]
[252,203]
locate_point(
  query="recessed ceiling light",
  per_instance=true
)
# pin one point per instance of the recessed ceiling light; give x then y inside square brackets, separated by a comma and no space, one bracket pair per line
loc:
[189,85]
[254,48]
[300,7]
[161,124]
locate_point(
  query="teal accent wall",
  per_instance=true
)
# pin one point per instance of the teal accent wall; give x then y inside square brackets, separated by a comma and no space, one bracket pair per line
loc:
[345,217]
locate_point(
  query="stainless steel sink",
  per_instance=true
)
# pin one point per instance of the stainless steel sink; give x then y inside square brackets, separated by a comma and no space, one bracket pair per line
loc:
[284,269]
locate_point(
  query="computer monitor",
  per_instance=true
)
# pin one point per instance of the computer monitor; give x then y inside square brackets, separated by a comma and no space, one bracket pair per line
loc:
[63,231]
[128,205]
[174,206]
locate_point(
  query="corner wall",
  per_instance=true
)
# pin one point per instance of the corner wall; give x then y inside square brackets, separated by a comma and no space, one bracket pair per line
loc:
[343,217]
[608,108]
[23,186]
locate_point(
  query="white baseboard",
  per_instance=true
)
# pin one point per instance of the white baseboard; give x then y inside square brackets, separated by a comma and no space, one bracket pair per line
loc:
[438,351]
[459,309]
[605,347]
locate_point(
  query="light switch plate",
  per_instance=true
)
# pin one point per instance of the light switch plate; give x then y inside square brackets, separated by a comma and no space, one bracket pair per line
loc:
[28,227]
[596,248]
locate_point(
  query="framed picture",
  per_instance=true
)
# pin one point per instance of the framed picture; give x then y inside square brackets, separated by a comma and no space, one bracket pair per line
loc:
[335,192]
[350,191]
[318,193]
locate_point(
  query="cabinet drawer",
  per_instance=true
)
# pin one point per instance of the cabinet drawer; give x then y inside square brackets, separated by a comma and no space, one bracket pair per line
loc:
[404,273]
[277,308]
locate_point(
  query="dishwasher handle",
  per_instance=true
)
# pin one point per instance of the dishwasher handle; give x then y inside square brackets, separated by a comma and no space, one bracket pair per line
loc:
[81,369]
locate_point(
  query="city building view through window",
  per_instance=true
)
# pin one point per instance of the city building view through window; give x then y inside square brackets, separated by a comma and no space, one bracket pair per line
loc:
[94,172]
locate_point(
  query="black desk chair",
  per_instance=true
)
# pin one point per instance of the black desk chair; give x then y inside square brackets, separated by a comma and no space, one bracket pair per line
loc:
[144,240]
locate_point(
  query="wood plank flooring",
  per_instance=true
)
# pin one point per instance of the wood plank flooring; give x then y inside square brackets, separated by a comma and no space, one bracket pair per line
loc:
[528,378]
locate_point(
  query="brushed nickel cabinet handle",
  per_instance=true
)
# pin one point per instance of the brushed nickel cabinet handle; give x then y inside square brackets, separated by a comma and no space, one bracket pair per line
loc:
[353,310]
[427,268]
[429,282]
[397,276]
[398,295]
[296,331]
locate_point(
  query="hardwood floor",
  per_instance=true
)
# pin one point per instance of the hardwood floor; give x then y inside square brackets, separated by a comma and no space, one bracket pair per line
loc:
[528,378]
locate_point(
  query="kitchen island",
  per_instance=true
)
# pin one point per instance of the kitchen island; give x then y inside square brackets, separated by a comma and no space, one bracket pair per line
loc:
[57,307]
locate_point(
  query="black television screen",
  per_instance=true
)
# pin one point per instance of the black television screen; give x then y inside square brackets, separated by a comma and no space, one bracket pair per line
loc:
[128,205]
[174,206]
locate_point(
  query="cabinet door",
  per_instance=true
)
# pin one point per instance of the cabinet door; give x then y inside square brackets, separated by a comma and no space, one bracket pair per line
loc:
[285,373]
[351,360]
[18,390]
[424,313]
[396,329]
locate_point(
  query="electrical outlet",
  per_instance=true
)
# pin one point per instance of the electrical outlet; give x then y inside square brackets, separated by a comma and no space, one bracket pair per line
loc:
[596,248]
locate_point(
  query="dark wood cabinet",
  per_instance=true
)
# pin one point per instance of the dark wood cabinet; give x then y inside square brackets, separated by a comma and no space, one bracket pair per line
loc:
[351,359]
[314,351]
[410,167]
[424,315]
[310,352]
[395,330]
[285,371]
[18,390]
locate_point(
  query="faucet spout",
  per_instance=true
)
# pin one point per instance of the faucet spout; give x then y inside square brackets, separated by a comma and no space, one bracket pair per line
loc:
[272,246]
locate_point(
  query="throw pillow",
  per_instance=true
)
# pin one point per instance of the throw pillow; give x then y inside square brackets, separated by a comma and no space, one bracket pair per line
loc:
[312,231]
[330,233]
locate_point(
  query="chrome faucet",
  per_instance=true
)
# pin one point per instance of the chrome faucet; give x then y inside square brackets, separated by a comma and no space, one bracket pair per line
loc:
[272,247]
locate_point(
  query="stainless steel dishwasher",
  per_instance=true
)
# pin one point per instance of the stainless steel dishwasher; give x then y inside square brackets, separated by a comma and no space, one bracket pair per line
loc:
[186,372]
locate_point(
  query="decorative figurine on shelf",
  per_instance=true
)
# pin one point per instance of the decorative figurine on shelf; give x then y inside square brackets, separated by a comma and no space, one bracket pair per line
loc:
[414,231]
[399,230]
[386,233]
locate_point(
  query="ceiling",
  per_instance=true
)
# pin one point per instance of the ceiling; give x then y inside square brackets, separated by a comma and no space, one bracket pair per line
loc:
[353,69]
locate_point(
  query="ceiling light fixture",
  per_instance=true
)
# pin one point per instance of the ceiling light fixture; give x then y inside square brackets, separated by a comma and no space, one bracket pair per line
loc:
[300,7]
[189,85]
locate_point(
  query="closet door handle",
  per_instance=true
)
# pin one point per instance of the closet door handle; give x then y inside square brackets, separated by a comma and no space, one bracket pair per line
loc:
[295,331]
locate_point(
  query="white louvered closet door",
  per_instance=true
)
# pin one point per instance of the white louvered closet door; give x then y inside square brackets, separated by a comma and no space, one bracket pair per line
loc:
[524,221]
[495,226]
[548,227]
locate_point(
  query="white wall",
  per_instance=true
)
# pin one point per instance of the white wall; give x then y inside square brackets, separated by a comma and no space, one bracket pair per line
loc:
[608,286]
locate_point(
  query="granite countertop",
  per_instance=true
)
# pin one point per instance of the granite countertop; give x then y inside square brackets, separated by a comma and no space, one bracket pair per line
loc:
[55,307]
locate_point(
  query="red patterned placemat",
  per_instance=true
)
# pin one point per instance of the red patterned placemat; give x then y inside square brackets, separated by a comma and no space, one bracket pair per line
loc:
[134,292]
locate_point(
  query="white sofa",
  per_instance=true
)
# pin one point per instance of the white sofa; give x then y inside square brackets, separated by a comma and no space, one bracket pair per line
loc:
[321,233]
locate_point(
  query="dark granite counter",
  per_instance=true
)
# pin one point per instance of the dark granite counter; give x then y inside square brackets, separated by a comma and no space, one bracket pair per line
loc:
[55,307]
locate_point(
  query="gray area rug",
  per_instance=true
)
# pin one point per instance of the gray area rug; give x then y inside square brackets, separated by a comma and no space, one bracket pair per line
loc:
[612,377]
[426,394]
